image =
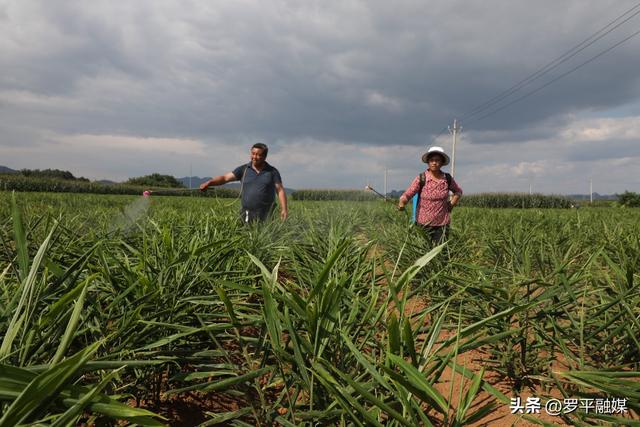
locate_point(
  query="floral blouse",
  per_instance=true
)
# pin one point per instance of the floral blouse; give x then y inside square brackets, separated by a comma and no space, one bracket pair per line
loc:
[433,208]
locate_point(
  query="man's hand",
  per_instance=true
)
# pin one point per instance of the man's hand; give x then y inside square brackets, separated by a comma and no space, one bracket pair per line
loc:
[218,180]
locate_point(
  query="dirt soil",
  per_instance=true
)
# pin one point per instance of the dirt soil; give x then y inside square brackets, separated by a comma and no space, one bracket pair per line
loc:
[474,360]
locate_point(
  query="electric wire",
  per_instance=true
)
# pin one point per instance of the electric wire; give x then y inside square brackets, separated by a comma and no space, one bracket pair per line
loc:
[444,129]
[555,63]
[558,77]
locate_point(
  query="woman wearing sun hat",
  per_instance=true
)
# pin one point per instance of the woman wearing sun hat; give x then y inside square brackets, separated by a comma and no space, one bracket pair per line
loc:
[434,206]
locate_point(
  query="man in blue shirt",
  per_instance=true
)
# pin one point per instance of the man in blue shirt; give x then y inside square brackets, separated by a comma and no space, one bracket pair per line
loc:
[259,182]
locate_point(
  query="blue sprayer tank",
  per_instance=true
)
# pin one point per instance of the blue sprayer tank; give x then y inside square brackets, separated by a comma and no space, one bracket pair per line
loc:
[414,200]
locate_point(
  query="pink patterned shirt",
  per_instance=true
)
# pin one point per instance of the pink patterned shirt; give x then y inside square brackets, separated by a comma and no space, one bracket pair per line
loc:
[433,208]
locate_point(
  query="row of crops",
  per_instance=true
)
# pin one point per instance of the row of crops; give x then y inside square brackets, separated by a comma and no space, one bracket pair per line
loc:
[12,182]
[19,183]
[124,308]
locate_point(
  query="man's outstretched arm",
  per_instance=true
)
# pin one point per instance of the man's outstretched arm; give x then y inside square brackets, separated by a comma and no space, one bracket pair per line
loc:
[218,180]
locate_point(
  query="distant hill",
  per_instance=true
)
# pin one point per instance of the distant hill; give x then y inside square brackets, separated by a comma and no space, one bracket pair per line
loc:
[195,181]
[4,169]
[52,174]
[106,182]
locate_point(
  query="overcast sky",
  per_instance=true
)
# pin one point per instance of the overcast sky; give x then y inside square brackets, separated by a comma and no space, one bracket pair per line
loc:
[339,90]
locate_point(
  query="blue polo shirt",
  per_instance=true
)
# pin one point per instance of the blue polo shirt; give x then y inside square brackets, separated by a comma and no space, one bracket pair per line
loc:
[258,188]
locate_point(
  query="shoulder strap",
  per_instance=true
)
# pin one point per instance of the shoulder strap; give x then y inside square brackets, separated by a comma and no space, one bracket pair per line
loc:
[423,180]
[449,178]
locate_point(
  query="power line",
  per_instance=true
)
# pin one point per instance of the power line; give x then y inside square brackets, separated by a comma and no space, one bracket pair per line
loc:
[555,63]
[442,132]
[559,77]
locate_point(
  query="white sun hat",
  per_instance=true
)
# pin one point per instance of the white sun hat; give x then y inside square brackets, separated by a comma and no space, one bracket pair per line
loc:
[435,150]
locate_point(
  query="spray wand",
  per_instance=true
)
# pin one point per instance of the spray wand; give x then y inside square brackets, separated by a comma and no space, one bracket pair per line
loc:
[370,188]
[147,193]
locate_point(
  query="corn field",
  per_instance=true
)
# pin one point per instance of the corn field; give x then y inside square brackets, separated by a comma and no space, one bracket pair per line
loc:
[326,195]
[515,201]
[166,311]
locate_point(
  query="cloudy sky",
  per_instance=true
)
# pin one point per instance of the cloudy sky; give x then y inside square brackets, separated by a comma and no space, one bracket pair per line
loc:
[339,90]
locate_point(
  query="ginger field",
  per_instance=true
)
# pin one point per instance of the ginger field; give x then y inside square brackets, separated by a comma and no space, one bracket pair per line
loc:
[121,310]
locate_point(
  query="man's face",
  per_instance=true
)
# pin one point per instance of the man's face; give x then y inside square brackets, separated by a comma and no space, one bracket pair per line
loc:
[258,156]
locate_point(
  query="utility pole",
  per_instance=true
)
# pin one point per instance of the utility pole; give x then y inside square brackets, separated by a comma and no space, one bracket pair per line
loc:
[190,174]
[385,183]
[590,191]
[454,131]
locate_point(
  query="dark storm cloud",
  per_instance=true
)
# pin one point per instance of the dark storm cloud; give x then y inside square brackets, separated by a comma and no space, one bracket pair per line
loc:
[310,76]
[597,150]
[355,71]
